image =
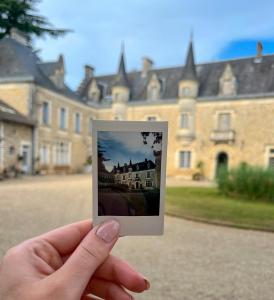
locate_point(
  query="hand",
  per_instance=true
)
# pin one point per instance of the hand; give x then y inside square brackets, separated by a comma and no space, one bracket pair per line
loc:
[70,262]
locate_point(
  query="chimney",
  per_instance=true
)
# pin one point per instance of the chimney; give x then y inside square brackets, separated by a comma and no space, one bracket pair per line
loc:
[89,71]
[147,65]
[19,36]
[259,55]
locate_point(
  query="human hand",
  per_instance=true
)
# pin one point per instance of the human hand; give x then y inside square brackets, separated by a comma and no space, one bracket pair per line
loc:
[70,262]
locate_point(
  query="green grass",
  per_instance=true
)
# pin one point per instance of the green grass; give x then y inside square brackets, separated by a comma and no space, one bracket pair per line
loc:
[207,204]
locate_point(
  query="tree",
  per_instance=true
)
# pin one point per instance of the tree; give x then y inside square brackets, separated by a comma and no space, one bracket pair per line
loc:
[22,15]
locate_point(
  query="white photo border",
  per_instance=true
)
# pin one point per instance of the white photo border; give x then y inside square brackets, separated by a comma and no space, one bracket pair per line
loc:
[131,225]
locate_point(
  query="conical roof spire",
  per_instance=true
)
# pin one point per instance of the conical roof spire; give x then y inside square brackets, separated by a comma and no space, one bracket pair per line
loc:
[189,72]
[121,77]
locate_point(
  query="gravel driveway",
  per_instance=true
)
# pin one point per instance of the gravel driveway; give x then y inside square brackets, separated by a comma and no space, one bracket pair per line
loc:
[191,261]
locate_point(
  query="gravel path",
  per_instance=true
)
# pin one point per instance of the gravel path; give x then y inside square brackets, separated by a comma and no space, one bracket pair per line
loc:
[191,261]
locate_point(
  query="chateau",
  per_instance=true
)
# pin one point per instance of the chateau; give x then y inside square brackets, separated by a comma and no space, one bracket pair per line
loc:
[219,113]
[136,175]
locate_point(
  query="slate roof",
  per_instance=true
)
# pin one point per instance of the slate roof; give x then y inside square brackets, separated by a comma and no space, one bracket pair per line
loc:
[140,166]
[252,78]
[20,63]
[9,114]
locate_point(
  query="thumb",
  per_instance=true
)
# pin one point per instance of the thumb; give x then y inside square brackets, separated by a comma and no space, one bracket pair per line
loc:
[88,256]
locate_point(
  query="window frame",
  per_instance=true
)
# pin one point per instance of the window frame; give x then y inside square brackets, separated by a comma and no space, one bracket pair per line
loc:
[60,118]
[76,129]
[224,125]
[48,123]
[188,163]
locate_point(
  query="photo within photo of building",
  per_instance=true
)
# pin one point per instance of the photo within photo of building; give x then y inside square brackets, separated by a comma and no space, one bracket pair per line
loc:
[129,173]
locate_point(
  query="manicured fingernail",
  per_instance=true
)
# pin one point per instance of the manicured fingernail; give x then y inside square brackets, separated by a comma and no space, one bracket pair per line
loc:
[108,231]
[147,284]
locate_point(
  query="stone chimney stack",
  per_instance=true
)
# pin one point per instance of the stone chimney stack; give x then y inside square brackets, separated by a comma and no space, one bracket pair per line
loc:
[19,36]
[89,72]
[147,66]
[259,55]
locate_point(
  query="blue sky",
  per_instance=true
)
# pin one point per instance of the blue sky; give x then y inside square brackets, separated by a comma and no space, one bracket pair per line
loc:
[123,146]
[159,29]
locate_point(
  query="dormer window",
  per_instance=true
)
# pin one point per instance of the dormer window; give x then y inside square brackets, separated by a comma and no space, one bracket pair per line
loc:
[94,91]
[154,88]
[185,91]
[228,83]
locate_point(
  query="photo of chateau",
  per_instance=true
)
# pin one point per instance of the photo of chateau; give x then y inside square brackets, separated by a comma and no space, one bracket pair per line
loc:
[219,113]
[136,176]
[131,188]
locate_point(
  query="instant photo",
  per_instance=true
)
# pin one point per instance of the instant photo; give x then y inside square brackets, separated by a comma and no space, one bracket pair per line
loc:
[129,176]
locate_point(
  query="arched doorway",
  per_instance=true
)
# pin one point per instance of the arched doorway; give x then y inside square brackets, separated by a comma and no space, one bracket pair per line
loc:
[221,162]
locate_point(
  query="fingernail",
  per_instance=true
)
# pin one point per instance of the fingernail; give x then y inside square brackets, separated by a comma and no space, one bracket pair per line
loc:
[147,284]
[108,231]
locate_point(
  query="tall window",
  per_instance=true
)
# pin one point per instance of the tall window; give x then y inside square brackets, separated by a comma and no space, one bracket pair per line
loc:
[90,126]
[45,113]
[185,159]
[63,118]
[184,120]
[148,174]
[148,183]
[271,158]
[62,155]
[224,121]
[44,154]
[77,123]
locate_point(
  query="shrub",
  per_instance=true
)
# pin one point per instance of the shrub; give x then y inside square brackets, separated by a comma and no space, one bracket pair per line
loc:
[249,182]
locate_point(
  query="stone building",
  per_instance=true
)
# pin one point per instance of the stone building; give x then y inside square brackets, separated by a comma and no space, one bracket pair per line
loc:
[140,175]
[219,113]
[16,133]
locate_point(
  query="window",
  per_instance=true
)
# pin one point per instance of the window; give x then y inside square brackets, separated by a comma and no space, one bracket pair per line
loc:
[148,183]
[63,118]
[90,127]
[151,118]
[129,175]
[271,158]
[148,174]
[45,113]
[77,123]
[137,176]
[184,120]
[124,177]
[11,150]
[44,155]
[154,93]
[185,159]
[224,120]
[185,91]
[62,154]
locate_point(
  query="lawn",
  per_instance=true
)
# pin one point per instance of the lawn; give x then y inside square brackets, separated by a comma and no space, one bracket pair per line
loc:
[207,204]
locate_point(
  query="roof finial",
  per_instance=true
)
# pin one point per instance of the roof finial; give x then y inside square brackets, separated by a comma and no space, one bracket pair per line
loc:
[191,35]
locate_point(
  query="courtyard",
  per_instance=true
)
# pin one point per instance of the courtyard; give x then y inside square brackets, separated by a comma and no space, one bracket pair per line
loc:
[191,261]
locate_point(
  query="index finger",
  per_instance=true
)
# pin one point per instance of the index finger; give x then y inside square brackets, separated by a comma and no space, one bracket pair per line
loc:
[65,239]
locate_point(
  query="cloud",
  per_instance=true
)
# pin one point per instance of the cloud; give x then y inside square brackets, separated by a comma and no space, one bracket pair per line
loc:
[157,28]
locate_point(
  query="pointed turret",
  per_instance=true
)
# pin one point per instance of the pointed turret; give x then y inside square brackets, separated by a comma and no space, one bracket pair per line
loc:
[120,91]
[189,72]
[121,77]
[188,84]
